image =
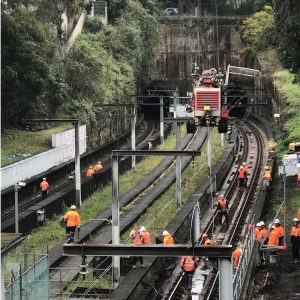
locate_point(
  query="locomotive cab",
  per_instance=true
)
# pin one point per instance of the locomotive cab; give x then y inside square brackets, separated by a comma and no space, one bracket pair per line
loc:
[206,107]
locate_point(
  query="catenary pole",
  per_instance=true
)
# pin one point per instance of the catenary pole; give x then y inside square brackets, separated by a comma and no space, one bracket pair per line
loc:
[133,141]
[178,168]
[77,165]
[161,120]
[16,208]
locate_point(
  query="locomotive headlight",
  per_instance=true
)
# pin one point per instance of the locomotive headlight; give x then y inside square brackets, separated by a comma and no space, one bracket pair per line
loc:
[206,107]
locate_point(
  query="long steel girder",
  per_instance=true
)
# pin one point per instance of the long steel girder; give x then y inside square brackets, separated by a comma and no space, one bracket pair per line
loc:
[147,250]
[116,153]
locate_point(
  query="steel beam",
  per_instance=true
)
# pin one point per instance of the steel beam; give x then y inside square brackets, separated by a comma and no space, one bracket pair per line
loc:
[169,91]
[172,120]
[161,122]
[115,218]
[154,153]
[244,105]
[148,250]
[29,121]
[77,166]
[225,279]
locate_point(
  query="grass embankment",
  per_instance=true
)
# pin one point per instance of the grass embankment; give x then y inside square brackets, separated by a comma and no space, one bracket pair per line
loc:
[290,92]
[19,144]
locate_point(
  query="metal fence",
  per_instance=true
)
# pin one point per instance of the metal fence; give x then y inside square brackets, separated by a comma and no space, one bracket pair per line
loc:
[32,281]
[241,272]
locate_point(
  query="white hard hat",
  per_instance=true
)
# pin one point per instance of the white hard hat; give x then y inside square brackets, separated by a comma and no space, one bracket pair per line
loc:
[222,196]
[244,164]
[276,221]
[241,167]
[99,162]
[143,229]
[258,224]
[262,223]
[273,226]
[44,178]
[295,220]
[73,207]
[165,232]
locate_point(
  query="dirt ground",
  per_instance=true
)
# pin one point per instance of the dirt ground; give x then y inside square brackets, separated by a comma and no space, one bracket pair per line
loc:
[280,281]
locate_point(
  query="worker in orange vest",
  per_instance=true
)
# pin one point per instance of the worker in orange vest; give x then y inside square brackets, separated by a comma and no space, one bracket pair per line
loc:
[137,240]
[187,264]
[236,254]
[298,180]
[90,172]
[168,239]
[280,230]
[223,208]
[44,185]
[241,176]
[98,167]
[264,230]
[258,232]
[245,168]
[72,220]
[267,175]
[206,240]
[295,240]
[146,236]
[273,237]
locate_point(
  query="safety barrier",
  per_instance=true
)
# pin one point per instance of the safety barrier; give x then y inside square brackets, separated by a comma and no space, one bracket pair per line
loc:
[239,276]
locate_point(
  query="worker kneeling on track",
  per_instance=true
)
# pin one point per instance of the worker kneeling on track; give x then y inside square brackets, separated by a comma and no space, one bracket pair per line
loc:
[267,177]
[72,220]
[188,265]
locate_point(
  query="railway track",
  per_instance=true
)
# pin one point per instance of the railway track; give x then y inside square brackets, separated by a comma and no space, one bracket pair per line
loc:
[241,202]
[102,234]
[8,214]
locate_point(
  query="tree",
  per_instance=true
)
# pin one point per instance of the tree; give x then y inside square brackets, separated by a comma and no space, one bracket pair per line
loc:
[32,78]
[287,16]
[259,30]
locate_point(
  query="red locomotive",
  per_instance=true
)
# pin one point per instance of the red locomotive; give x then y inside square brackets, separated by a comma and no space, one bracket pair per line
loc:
[206,106]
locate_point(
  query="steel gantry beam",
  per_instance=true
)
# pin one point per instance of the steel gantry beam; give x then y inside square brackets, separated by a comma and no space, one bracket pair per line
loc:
[115,194]
[222,251]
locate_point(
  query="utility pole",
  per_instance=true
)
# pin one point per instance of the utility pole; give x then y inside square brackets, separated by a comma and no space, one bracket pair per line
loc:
[161,120]
[77,165]
[133,142]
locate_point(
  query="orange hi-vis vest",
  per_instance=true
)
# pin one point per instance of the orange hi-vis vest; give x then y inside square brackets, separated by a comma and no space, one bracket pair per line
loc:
[273,238]
[168,240]
[258,234]
[187,263]
[136,238]
[98,167]
[268,176]
[90,172]
[280,230]
[241,173]
[236,254]
[146,238]
[72,218]
[295,231]
[264,232]
[245,169]
[44,185]
[223,204]
[208,242]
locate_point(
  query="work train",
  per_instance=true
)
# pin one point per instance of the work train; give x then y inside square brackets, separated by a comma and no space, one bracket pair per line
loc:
[206,106]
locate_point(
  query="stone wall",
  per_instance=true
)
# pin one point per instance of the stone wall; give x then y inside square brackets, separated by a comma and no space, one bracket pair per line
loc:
[185,40]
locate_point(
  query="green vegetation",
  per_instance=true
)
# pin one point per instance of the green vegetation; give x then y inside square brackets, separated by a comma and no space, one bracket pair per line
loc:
[26,143]
[259,30]
[263,32]
[105,65]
